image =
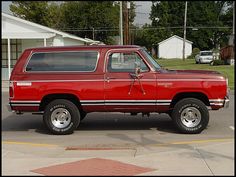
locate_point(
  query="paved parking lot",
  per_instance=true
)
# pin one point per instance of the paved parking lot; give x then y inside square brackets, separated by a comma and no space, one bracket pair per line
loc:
[145,146]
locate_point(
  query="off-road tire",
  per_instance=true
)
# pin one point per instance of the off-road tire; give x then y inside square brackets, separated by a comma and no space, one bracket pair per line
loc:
[72,112]
[198,108]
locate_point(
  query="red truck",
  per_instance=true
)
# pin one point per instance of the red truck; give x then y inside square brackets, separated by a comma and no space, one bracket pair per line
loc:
[66,83]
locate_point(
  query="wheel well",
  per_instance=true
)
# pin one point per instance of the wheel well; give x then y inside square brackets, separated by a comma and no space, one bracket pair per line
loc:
[196,95]
[48,98]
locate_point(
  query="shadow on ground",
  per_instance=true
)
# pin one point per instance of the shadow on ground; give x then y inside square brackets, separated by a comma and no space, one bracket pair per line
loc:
[93,122]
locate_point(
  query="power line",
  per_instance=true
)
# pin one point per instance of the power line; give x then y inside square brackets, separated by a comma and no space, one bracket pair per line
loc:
[150,28]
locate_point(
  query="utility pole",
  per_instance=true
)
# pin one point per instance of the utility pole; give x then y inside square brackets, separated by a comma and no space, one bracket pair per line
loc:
[121,23]
[233,18]
[185,20]
[93,33]
[128,28]
[126,21]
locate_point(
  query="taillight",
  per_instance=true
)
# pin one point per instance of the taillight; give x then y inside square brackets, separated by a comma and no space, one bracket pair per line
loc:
[11,89]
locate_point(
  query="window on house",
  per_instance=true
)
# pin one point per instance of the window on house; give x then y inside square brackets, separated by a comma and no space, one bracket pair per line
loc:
[16,50]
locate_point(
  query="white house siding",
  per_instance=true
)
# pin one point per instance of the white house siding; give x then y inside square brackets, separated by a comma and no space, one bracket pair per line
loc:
[173,48]
[22,34]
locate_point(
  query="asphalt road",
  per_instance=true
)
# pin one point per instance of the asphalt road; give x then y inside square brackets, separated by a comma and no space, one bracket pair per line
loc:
[134,140]
[113,128]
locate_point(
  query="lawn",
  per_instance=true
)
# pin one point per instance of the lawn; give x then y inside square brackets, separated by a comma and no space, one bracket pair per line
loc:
[226,70]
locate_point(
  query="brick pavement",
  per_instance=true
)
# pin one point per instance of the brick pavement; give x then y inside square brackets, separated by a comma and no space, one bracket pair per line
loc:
[93,167]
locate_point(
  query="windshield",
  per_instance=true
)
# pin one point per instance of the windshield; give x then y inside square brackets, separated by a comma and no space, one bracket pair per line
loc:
[206,53]
[151,60]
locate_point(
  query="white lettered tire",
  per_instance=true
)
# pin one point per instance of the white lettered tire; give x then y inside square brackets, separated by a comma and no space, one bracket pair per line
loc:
[61,117]
[190,115]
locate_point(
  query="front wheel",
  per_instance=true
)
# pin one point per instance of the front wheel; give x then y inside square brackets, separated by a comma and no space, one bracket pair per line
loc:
[190,116]
[61,117]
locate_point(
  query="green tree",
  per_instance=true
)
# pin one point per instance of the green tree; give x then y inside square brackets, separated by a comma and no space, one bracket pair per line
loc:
[86,15]
[35,11]
[76,17]
[168,18]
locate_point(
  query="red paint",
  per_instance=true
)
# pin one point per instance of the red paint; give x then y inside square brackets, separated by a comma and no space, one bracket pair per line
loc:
[158,85]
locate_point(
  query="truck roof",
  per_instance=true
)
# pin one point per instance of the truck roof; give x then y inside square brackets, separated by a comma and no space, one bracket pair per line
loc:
[86,47]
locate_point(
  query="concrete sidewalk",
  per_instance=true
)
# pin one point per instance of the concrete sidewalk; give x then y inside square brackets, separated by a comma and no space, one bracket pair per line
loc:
[208,159]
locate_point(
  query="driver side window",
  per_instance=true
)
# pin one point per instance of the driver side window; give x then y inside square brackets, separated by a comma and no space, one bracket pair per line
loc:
[125,62]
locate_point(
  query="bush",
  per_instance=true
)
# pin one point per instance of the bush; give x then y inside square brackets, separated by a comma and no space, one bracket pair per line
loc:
[194,53]
[217,62]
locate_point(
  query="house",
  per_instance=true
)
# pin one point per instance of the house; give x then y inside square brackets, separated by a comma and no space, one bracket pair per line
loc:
[19,34]
[173,48]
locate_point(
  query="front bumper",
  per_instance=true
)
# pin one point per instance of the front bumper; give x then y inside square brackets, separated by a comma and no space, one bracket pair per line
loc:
[226,102]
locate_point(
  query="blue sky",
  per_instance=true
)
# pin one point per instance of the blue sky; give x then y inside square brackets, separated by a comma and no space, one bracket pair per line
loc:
[142,11]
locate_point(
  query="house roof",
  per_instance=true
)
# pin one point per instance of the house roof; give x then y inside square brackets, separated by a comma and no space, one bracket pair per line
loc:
[174,36]
[65,35]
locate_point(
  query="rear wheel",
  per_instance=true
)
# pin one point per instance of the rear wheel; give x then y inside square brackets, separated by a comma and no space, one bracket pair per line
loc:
[61,117]
[190,115]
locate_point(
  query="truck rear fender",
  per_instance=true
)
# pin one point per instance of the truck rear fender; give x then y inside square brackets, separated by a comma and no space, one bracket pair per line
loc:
[50,97]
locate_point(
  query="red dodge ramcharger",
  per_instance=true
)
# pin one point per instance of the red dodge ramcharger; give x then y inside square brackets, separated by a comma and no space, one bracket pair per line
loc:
[66,83]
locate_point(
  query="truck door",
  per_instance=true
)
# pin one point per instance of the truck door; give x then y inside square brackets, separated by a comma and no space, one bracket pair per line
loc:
[124,92]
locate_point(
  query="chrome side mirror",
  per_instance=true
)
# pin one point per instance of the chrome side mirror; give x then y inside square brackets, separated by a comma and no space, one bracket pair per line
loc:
[137,70]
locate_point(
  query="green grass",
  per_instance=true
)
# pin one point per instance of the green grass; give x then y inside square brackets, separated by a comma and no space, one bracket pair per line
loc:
[226,70]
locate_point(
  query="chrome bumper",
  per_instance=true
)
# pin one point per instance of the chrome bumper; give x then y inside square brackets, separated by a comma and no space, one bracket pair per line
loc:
[226,102]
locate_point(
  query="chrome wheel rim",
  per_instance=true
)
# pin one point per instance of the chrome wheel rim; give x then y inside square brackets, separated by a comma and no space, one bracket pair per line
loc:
[191,117]
[60,117]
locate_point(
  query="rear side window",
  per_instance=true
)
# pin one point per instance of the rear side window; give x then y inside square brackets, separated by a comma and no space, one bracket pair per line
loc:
[83,61]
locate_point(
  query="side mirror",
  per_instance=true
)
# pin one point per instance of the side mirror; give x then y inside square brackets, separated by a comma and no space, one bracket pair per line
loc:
[137,68]
[137,72]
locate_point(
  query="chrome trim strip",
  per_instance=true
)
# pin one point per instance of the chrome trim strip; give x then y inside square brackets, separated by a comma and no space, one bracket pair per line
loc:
[22,83]
[190,80]
[133,101]
[216,100]
[94,80]
[19,104]
[120,80]
[98,104]
[127,104]
[216,104]
[130,104]
[19,101]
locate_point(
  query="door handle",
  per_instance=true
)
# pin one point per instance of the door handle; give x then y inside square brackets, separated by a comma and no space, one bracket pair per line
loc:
[108,78]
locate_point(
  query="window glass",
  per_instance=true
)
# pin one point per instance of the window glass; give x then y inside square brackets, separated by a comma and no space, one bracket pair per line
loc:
[206,53]
[63,61]
[15,51]
[125,62]
[151,60]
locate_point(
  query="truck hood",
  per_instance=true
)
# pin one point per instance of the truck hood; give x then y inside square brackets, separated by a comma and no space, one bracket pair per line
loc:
[196,74]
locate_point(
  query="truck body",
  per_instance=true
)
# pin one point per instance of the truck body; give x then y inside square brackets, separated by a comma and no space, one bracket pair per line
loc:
[109,79]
